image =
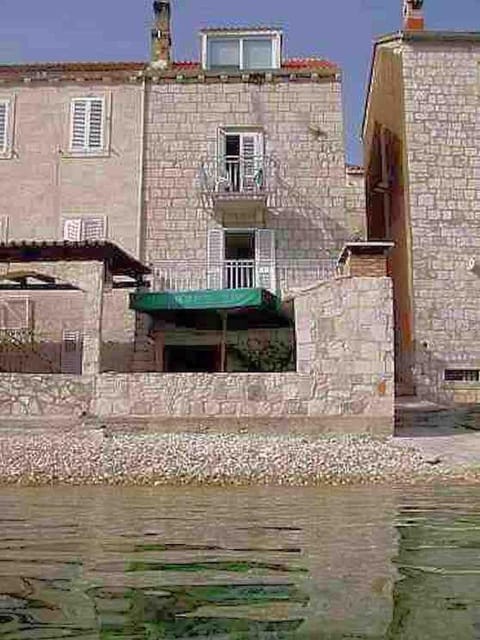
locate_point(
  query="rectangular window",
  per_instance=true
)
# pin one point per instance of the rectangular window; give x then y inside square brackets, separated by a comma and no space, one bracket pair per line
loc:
[71,357]
[84,229]
[16,314]
[87,125]
[242,51]
[4,109]
[462,375]
[241,161]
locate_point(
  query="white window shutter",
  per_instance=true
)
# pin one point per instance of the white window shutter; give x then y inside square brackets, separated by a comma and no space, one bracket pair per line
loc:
[265,267]
[3,126]
[72,230]
[215,258]
[79,124]
[71,357]
[4,221]
[252,160]
[94,229]
[96,124]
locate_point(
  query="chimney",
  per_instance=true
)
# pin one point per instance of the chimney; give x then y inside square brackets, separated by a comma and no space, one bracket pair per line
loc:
[413,19]
[161,35]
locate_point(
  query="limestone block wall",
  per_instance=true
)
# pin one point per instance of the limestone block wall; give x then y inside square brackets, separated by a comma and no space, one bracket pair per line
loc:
[441,82]
[38,396]
[345,340]
[182,128]
[355,204]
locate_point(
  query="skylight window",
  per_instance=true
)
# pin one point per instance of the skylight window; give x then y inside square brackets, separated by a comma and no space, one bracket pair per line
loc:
[241,50]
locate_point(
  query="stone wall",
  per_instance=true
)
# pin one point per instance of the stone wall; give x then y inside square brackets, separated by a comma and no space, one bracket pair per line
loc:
[345,341]
[443,144]
[183,122]
[46,396]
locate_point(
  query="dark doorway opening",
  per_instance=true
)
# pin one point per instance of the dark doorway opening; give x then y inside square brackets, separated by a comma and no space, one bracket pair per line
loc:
[191,359]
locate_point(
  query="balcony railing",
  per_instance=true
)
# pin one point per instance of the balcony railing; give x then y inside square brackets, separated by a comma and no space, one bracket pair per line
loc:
[235,274]
[237,176]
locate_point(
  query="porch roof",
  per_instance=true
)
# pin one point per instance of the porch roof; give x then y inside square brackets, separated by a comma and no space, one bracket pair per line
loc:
[204,300]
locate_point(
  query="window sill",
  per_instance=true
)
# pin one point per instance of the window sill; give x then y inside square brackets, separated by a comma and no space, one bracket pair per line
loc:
[102,153]
[7,155]
[461,384]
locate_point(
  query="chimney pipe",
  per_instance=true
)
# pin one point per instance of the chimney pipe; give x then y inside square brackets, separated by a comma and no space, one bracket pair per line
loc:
[413,19]
[161,35]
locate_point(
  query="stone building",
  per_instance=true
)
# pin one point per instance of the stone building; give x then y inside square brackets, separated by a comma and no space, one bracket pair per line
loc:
[223,178]
[71,153]
[422,146]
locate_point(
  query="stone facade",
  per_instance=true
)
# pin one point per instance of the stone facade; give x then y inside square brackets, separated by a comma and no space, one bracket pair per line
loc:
[302,124]
[424,95]
[44,182]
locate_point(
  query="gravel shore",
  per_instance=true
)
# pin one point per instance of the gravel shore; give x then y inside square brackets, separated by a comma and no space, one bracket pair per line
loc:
[175,459]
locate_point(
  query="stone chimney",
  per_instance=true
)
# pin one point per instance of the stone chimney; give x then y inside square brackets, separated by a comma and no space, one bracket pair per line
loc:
[413,19]
[161,35]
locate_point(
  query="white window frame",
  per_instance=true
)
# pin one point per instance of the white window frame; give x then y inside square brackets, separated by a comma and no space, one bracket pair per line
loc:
[274,36]
[86,151]
[6,151]
[81,220]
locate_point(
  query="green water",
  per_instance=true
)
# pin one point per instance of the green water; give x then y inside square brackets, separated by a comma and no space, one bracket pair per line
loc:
[357,563]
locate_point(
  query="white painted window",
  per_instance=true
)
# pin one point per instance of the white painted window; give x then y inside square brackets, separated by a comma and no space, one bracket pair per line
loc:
[83,229]
[4,112]
[7,116]
[241,258]
[241,160]
[71,356]
[241,50]
[16,314]
[4,223]
[87,132]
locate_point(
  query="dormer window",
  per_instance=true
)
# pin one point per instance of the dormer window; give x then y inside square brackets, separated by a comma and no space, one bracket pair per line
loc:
[241,50]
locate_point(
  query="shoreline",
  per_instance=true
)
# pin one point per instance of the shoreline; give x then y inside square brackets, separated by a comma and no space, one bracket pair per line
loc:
[91,458]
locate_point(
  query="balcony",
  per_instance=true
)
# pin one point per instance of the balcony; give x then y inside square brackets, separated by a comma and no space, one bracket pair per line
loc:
[238,183]
[239,274]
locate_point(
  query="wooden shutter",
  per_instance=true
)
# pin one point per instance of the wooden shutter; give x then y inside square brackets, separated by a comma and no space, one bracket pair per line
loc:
[88,116]
[3,126]
[215,258]
[4,221]
[95,124]
[71,356]
[79,124]
[94,229]
[252,160]
[72,230]
[265,268]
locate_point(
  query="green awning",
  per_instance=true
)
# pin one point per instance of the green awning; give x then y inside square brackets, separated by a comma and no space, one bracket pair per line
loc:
[205,299]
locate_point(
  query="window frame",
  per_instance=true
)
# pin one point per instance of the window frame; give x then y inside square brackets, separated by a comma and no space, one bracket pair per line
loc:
[82,220]
[6,153]
[274,36]
[91,152]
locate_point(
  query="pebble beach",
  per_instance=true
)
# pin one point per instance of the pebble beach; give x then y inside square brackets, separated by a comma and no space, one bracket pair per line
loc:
[94,458]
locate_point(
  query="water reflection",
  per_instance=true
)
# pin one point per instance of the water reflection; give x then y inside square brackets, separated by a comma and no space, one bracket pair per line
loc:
[242,564]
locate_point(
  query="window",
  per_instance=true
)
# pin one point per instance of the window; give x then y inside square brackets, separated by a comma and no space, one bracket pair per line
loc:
[71,356]
[462,375]
[257,50]
[241,161]
[241,258]
[16,314]
[78,229]
[87,125]
[3,125]
[6,127]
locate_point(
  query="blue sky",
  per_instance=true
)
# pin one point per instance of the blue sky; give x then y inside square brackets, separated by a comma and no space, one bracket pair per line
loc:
[341,30]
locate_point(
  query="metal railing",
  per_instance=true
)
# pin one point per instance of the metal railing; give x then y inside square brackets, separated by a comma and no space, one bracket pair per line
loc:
[239,274]
[234,274]
[237,175]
